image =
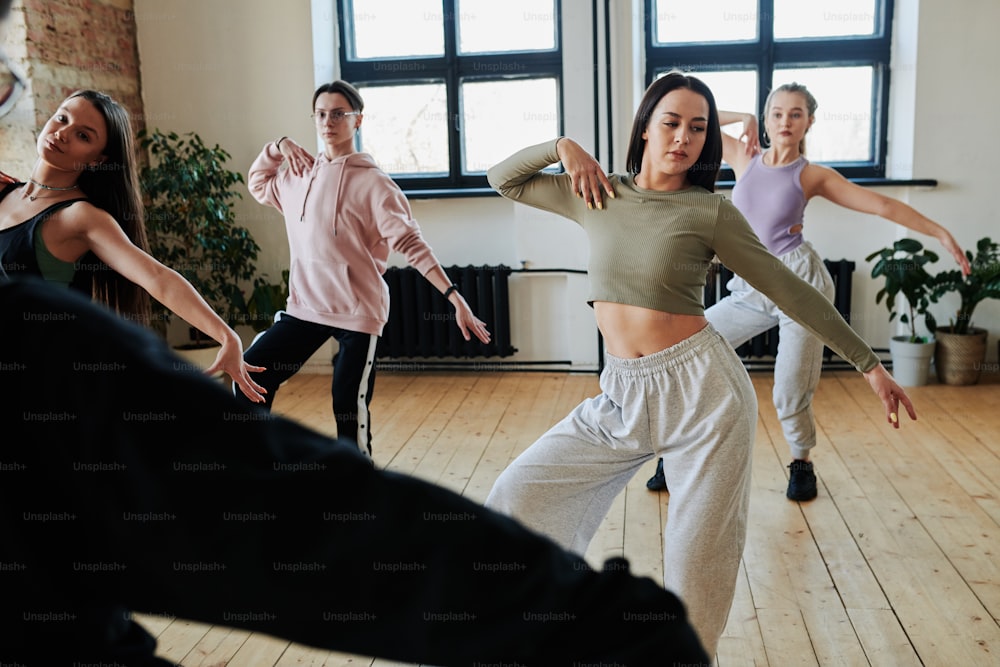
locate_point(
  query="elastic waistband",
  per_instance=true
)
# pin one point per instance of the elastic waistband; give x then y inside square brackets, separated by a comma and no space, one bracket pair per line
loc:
[671,357]
[802,251]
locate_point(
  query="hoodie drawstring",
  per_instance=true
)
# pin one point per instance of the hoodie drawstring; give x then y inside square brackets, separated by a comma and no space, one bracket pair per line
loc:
[340,185]
[312,177]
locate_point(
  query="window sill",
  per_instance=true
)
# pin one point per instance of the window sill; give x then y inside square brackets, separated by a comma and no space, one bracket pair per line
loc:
[460,193]
[865,182]
[449,193]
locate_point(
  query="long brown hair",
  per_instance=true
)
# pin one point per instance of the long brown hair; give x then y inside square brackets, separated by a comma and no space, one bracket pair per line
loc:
[113,186]
[706,169]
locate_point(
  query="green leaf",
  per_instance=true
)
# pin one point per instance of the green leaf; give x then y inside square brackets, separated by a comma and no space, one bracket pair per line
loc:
[191,225]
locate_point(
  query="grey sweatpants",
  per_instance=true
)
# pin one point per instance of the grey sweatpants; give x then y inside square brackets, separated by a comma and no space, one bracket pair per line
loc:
[692,404]
[746,313]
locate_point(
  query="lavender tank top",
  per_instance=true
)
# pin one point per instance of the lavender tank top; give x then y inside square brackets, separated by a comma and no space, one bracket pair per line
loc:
[772,201]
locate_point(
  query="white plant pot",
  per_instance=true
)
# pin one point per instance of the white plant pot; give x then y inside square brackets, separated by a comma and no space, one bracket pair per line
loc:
[911,362]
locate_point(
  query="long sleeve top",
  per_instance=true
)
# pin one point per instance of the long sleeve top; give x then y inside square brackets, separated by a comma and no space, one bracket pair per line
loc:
[653,249]
[342,218]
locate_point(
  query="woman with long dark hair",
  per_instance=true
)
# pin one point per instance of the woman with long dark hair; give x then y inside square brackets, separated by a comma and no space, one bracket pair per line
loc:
[672,386]
[79,221]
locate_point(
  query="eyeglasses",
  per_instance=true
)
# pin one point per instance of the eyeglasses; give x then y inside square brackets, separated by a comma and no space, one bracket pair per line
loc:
[11,85]
[336,116]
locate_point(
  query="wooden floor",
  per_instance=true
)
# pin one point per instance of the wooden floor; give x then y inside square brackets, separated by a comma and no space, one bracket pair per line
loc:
[896,563]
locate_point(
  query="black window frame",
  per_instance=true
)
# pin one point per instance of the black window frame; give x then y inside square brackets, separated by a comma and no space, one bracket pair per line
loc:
[453,69]
[765,52]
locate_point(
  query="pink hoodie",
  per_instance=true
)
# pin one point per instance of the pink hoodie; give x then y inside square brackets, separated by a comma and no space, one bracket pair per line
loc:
[342,219]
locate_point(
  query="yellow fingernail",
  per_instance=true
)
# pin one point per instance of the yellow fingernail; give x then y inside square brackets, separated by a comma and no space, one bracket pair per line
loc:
[892,416]
[600,205]
[590,205]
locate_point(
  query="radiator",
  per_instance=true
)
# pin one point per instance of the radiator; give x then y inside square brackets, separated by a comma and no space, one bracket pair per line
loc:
[422,322]
[766,344]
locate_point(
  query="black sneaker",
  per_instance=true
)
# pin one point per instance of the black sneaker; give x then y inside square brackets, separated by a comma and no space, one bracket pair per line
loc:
[801,481]
[657,482]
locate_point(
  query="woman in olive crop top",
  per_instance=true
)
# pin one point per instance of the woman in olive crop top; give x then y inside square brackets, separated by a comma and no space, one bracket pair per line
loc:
[78,221]
[772,191]
[672,386]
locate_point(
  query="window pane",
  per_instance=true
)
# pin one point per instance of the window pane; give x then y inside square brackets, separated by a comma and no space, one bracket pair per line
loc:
[681,22]
[509,25]
[495,111]
[795,18]
[733,91]
[389,28]
[405,128]
[843,128]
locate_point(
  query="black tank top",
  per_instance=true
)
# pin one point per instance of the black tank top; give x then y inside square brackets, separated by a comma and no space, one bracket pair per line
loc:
[18,255]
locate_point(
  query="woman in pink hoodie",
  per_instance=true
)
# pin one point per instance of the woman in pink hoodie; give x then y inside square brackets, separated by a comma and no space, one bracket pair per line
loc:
[343,216]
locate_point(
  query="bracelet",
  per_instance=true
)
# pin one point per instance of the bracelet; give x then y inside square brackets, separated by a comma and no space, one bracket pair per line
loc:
[277,144]
[453,288]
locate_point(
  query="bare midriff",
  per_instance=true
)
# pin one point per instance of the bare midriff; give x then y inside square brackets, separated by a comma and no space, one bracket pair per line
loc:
[631,332]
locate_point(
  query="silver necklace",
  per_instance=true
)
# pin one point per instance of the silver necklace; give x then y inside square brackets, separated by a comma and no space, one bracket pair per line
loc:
[49,187]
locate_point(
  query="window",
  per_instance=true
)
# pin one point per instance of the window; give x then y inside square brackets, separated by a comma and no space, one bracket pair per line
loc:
[450,85]
[742,49]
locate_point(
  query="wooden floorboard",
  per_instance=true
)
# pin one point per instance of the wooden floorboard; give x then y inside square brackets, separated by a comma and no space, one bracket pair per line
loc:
[896,563]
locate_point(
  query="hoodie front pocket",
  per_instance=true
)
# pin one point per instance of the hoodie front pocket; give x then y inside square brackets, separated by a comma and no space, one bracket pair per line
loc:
[325,287]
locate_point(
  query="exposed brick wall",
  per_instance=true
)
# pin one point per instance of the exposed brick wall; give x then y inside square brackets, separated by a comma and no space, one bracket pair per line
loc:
[62,46]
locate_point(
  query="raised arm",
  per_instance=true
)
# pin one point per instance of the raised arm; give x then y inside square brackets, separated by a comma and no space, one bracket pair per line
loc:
[738,152]
[589,180]
[263,177]
[827,183]
[520,177]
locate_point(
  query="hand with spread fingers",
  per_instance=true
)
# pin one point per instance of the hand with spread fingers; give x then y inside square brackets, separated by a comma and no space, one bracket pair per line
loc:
[230,361]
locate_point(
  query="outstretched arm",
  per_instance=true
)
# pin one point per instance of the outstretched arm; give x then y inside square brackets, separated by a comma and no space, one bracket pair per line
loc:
[739,248]
[825,182]
[467,322]
[422,560]
[107,240]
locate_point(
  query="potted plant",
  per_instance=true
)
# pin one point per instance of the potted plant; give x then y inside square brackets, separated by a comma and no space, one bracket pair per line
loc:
[192,226]
[903,268]
[961,348]
[266,300]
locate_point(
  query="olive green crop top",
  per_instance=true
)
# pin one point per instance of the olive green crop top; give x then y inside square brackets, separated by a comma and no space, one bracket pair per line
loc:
[652,249]
[53,269]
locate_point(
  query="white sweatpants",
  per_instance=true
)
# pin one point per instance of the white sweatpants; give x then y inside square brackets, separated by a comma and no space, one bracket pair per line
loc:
[746,313]
[693,404]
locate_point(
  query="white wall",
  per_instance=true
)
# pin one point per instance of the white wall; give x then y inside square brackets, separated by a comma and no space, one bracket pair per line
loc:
[956,137]
[942,127]
[241,72]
